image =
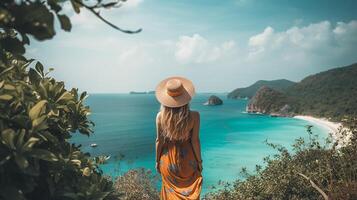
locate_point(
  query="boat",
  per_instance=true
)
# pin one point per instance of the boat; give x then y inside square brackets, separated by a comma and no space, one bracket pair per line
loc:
[93,145]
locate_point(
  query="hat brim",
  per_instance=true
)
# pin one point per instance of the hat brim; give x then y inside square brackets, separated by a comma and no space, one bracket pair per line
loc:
[174,102]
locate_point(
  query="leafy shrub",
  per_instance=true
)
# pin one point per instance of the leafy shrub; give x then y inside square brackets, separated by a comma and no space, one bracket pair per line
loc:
[38,116]
[331,167]
[137,184]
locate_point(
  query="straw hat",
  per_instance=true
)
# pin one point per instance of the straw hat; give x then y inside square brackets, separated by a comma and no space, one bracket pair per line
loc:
[175,92]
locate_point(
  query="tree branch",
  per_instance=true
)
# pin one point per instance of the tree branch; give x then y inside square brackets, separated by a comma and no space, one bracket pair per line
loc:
[91,9]
[326,197]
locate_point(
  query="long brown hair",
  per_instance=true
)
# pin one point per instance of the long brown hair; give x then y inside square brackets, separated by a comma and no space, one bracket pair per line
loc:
[175,122]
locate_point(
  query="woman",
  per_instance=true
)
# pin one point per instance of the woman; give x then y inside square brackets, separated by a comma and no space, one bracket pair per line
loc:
[178,150]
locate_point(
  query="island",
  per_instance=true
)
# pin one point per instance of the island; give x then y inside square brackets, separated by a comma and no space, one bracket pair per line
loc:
[213,100]
[329,94]
[144,92]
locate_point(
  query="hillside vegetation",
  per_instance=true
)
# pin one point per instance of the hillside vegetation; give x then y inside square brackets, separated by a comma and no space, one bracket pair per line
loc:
[331,94]
[39,115]
[249,92]
[312,170]
[262,101]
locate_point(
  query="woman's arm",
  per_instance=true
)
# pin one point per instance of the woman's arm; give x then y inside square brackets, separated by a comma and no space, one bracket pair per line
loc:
[158,142]
[195,140]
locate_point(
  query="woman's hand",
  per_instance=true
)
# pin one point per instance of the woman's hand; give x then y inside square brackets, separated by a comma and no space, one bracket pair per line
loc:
[157,166]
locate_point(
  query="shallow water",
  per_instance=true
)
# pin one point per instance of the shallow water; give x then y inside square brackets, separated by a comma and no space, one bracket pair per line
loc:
[230,138]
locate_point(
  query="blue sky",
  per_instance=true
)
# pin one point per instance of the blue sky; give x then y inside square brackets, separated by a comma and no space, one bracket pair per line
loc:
[219,45]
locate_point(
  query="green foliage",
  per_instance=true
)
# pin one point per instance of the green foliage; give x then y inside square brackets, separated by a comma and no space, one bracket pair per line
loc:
[331,94]
[37,18]
[268,101]
[279,85]
[136,184]
[38,116]
[331,166]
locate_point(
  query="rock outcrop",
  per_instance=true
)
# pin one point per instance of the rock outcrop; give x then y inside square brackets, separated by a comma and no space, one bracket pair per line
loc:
[269,101]
[213,101]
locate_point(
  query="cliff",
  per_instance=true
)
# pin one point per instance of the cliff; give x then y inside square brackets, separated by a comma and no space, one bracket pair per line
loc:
[270,101]
[331,94]
[249,92]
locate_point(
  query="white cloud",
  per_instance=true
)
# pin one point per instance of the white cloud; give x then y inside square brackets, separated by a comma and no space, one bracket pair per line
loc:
[259,42]
[137,56]
[197,49]
[308,42]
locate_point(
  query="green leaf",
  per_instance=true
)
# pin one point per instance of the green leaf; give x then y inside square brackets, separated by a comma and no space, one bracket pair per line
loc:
[8,136]
[39,68]
[20,139]
[7,70]
[83,96]
[65,22]
[9,87]
[38,121]
[76,6]
[25,39]
[34,76]
[5,97]
[21,161]
[43,155]
[42,90]
[50,137]
[30,143]
[65,96]
[36,110]
[54,6]
[2,83]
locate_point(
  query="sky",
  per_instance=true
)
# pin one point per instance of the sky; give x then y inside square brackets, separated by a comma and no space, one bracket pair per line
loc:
[219,45]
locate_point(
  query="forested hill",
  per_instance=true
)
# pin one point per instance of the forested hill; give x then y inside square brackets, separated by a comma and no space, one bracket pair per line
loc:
[250,91]
[332,93]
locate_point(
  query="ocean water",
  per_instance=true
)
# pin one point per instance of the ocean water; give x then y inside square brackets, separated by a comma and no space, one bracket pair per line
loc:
[230,138]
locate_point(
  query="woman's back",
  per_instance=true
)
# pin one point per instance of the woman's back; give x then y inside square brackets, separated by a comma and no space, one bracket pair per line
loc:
[181,178]
[178,151]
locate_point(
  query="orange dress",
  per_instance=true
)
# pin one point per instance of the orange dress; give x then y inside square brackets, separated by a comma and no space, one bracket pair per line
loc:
[181,178]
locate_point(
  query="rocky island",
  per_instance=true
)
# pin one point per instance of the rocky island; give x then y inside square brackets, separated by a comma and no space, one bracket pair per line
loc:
[213,100]
[269,101]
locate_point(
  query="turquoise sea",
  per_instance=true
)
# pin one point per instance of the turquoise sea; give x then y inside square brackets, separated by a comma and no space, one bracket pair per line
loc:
[230,138]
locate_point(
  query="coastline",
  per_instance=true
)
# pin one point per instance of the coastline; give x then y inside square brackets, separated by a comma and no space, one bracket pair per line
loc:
[332,127]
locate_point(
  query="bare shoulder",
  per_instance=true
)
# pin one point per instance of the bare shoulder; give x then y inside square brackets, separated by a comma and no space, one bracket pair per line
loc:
[195,115]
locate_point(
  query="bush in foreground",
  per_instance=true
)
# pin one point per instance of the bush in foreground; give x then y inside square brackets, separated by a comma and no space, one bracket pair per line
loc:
[38,116]
[137,184]
[310,171]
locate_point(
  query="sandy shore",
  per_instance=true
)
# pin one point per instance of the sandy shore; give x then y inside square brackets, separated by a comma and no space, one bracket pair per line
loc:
[332,127]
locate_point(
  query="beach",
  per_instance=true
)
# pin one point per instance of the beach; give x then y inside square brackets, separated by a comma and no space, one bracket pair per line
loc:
[332,127]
